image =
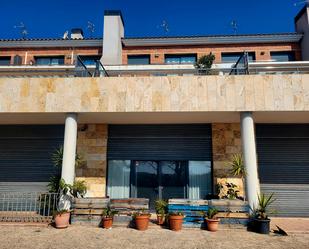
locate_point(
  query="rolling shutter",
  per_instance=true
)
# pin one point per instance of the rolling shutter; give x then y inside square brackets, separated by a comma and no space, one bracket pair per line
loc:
[25,156]
[283,159]
[159,142]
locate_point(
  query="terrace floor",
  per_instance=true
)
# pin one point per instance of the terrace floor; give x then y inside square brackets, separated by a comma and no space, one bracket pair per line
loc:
[81,237]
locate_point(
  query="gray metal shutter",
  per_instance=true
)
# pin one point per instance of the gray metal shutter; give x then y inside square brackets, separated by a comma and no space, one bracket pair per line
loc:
[159,142]
[283,158]
[25,155]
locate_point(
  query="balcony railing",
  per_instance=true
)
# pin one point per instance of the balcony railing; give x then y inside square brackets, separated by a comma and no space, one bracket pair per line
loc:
[242,67]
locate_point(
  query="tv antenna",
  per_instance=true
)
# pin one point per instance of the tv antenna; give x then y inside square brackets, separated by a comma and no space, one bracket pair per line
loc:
[90,27]
[234,26]
[164,26]
[23,30]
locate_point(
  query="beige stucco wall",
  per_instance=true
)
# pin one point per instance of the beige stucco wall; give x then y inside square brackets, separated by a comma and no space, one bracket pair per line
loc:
[155,94]
[92,146]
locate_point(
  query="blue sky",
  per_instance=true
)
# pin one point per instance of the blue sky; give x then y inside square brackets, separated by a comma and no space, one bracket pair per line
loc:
[143,18]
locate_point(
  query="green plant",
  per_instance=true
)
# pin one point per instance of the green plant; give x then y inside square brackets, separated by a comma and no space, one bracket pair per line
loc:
[219,188]
[205,62]
[142,212]
[57,156]
[264,202]
[60,212]
[78,188]
[176,213]
[232,192]
[238,168]
[211,213]
[161,206]
[109,213]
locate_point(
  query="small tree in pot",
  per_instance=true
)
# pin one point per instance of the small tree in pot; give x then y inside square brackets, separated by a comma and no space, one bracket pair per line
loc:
[141,220]
[204,64]
[211,220]
[175,220]
[107,217]
[261,220]
[161,210]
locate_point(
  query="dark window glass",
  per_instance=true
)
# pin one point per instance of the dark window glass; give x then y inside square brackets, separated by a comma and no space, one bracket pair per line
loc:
[283,56]
[138,59]
[180,59]
[5,60]
[48,60]
[90,60]
[233,57]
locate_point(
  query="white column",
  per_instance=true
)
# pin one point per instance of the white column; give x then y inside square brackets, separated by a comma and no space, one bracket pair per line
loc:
[250,160]
[69,148]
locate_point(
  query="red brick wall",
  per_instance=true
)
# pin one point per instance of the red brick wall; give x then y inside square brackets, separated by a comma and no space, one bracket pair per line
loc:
[262,51]
[32,52]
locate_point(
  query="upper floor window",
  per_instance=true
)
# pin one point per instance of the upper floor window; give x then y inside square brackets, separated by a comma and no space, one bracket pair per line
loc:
[138,59]
[233,57]
[180,58]
[283,56]
[5,60]
[89,60]
[49,60]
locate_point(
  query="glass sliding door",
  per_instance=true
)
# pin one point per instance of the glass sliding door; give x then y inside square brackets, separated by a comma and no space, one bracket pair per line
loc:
[147,180]
[172,179]
[119,179]
[200,183]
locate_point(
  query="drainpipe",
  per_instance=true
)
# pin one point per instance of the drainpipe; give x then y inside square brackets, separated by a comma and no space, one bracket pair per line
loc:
[250,159]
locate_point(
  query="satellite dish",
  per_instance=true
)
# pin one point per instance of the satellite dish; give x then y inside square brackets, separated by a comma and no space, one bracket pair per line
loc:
[66,35]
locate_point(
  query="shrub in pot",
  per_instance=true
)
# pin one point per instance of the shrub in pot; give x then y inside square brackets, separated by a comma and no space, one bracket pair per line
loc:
[108,217]
[204,64]
[161,210]
[211,220]
[261,220]
[141,220]
[175,220]
[62,218]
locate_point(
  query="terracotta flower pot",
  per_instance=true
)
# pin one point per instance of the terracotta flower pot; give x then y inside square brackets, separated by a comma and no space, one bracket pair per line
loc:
[107,222]
[175,222]
[212,224]
[62,220]
[141,222]
[160,219]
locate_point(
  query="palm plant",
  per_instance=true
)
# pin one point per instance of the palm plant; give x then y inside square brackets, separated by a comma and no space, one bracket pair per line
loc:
[238,168]
[109,213]
[161,206]
[264,202]
[211,213]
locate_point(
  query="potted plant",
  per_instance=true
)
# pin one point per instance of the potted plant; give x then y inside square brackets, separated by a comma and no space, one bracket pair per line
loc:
[107,217]
[261,220]
[67,192]
[141,220]
[211,220]
[175,220]
[204,64]
[62,218]
[161,210]
[238,169]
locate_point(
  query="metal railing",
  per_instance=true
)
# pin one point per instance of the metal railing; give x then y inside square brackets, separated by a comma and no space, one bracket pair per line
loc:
[27,206]
[241,67]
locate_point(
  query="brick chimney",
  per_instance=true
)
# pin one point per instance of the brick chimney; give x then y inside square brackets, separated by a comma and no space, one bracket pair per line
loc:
[113,33]
[302,26]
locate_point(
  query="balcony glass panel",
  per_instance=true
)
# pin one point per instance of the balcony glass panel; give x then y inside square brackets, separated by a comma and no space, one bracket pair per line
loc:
[283,56]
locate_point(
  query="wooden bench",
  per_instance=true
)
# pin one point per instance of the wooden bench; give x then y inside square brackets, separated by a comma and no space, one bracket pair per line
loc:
[192,209]
[88,210]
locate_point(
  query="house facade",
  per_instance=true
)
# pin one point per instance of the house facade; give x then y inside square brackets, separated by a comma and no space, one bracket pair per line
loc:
[154,128]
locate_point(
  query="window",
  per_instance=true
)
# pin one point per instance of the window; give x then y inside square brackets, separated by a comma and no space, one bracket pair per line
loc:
[199,179]
[48,60]
[89,60]
[233,57]
[283,56]
[5,60]
[138,59]
[180,59]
